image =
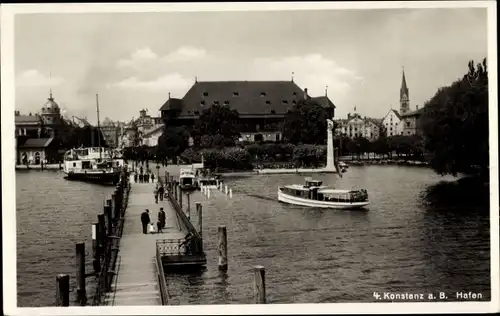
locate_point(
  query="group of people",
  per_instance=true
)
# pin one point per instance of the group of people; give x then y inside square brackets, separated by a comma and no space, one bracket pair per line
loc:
[143,177]
[161,223]
[159,191]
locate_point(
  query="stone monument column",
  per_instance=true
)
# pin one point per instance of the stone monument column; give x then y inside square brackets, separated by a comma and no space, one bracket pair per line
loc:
[330,161]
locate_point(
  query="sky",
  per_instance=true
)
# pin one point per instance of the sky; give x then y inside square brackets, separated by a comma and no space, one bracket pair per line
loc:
[134,60]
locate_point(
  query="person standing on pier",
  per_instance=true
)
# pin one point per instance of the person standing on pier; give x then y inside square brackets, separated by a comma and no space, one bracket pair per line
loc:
[162,218]
[135,177]
[145,220]
[152,178]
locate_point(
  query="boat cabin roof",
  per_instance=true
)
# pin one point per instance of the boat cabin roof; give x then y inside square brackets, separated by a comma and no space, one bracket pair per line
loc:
[300,187]
[334,191]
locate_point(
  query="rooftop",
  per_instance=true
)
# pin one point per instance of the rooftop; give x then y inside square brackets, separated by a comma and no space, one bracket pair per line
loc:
[246,97]
[37,142]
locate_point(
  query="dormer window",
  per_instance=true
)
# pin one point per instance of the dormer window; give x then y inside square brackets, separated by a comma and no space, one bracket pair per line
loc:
[268,102]
[202,103]
[205,94]
[235,94]
[284,101]
[262,94]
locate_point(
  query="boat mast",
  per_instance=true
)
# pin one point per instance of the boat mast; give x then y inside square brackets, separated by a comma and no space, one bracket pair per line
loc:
[98,127]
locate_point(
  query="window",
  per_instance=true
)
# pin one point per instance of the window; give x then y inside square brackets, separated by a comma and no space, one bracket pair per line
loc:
[268,102]
[273,111]
[284,101]
[235,94]
[202,102]
[226,102]
[262,94]
[216,102]
[294,102]
[189,112]
[407,124]
[74,164]
[295,93]
[205,94]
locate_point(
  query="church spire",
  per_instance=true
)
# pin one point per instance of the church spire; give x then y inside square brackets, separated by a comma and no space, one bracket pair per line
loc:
[404,95]
[50,84]
[403,82]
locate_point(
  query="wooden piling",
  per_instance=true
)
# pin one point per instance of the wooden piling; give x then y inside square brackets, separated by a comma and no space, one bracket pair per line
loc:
[222,248]
[62,290]
[188,209]
[175,191]
[199,214]
[230,193]
[101,236]
[109,220]
[96,262]
[226,191]
[259,284]
[80,273]
[180,197]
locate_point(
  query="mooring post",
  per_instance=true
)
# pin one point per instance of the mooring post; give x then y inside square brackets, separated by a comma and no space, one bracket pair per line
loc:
[199,214]
[101,234]
[62,290]
[96,261]
[80,273]
[259,284]
[208,192]
[188,210]
[225,186]
[107,212]
[180,197]
[230,193]
[175,191]
[111,203]
[222,248]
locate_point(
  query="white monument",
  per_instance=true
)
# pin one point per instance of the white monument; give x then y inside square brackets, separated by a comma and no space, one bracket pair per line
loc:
[330,158]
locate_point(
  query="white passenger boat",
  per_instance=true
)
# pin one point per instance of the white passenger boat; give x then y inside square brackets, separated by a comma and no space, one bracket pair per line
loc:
[187,179]
[94,164]
[314,194]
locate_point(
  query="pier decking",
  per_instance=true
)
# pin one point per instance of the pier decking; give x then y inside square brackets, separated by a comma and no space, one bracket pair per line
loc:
[136,279]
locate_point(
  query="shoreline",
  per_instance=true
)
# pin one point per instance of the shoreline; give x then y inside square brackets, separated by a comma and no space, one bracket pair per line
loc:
[39,167]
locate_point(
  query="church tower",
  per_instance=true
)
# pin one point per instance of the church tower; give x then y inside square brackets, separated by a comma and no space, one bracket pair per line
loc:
[404,97]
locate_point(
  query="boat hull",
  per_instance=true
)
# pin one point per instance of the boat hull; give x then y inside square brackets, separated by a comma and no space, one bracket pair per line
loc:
[285,198]
[96,177]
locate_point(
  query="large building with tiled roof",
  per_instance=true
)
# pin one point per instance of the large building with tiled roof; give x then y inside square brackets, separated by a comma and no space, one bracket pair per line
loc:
[261,105]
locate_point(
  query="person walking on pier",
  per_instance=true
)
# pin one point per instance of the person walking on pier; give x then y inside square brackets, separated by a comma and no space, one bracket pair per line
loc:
[161,191]
[155,192]
[145,220]
[152,178]
[162,218]
[135,177]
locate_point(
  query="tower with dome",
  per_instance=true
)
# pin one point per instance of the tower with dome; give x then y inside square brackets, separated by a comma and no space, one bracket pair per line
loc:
[51,116]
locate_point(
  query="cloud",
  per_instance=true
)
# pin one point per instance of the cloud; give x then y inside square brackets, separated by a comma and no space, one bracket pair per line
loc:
[312,71]
[138,57]
[34,78]
[146,57]
[168,82]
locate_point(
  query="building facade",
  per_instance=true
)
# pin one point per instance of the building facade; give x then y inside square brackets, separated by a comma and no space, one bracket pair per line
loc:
[34,151]
[261,105]
[392,123]
[357,126]
[411,122]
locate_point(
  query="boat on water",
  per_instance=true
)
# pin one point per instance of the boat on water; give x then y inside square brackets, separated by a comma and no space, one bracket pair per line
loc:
[314,194]
[212,182]
[93,164]
[187,180]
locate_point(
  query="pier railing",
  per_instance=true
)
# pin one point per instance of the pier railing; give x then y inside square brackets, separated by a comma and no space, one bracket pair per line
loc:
[162,280]
[106,234]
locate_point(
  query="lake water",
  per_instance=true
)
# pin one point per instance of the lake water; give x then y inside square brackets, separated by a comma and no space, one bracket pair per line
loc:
[420,234]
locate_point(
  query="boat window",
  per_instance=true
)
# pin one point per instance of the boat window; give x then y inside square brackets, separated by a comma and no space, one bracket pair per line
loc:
[74,164]
[86,165]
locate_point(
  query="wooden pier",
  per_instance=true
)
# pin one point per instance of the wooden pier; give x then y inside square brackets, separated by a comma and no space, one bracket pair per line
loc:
[136,281]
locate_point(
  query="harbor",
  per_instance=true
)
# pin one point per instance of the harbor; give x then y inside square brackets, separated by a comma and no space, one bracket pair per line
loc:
[289,241]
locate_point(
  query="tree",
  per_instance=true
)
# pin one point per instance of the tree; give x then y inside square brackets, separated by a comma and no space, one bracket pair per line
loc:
[219,121]
[455,125]
[305,123]
[173,141]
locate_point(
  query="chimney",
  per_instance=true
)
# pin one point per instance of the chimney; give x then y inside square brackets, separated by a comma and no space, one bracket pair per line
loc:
[16,113]
[306,96]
